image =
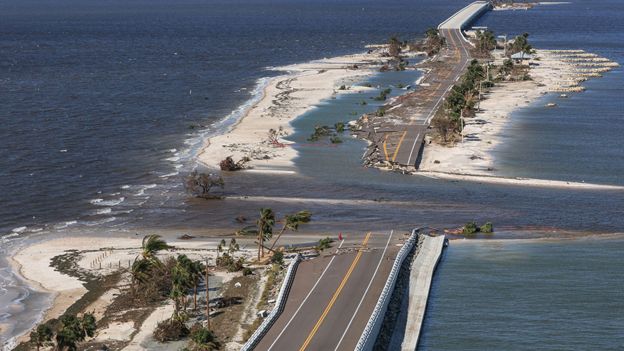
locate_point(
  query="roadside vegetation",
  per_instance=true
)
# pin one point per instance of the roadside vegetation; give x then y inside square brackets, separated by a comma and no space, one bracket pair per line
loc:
[431,44]
[463,99]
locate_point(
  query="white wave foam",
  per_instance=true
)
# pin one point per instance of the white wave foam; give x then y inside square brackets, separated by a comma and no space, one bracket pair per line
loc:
[125,186]
[169,175]
[96,201]
[141,191]
[100,222]
[9,236]
[196,141]
[19,230]
[106,210]
[112,202]
[173,159]
[65,224]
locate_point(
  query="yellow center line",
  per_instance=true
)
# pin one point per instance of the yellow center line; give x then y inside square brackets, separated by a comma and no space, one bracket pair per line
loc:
[396,151]
[384,147]
[336,294]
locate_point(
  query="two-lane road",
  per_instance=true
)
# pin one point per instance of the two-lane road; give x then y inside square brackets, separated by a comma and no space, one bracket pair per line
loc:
[333,296]
[408,147]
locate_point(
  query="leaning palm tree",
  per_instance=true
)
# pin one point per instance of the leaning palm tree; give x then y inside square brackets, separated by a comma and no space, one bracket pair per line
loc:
[265,228]
[147,259]
[140,272]
[292,222]
[151,245]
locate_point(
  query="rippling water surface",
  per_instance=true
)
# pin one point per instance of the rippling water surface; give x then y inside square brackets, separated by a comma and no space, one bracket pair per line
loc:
[531,295]
[103,104]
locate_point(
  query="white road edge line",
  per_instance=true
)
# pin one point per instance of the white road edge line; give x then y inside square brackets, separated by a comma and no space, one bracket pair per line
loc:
[304,300]
[412,151]
[365,292]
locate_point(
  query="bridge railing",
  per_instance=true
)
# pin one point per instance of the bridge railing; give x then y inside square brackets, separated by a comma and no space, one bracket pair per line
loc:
[371,331]
[280,303]
[472,17]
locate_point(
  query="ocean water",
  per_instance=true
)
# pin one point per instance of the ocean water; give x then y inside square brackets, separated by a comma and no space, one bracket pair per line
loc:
[577,140]
[103,104]
[527,295]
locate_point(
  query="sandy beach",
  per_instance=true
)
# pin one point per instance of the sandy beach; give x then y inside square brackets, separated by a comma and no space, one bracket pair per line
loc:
[557,72]
[285,98]
[100,256]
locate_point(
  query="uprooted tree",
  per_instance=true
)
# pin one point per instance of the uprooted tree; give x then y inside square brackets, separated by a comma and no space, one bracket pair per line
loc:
[200,184]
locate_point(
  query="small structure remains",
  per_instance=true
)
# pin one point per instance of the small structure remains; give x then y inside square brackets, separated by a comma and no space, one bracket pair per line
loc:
[521,56]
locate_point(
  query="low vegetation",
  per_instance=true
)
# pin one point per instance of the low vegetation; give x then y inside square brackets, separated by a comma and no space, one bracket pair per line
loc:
[65,333]
[324,244]
[461,101]
[472,228]
[431,44]
[200,184]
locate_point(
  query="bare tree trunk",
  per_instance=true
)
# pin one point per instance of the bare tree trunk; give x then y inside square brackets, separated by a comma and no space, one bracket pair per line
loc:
[207,299]
[278,236]
[195,296]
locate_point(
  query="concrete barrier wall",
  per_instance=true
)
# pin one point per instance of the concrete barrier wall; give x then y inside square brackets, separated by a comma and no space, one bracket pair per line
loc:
[421,275]
[280,303]
[371,331]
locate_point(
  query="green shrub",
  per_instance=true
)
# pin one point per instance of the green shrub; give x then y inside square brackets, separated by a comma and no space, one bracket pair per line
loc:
[470,228]
[278,257]
[340,127]
[203,339]
[335,139]
[232,265]
[170,330]
[487,228]
[324,244]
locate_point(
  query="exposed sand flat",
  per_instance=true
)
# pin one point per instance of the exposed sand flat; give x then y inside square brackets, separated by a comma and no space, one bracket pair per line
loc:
[482,133]
[531,182]
[285,98]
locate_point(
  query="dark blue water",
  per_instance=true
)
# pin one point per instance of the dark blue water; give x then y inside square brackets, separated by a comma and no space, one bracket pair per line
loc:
[97,95]
[527,295]
[577,140]
[102,104]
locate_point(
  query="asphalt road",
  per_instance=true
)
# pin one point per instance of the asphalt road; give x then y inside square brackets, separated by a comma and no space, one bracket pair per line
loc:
[333,296]
[408,147]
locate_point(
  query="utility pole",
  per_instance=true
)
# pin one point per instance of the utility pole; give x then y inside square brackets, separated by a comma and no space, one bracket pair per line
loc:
[461,120]
[207,297]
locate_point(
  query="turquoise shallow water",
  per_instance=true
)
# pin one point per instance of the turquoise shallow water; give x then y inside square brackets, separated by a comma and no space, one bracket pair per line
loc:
[527,295]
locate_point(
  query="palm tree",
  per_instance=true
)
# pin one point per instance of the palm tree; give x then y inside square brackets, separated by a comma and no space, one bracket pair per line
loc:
[180,283]
[220,247]
[265,228]
[233,246]
[151,245]
[147,259]
[197,273]
[41,336]
[292,222]
[141,271]
[74,330]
